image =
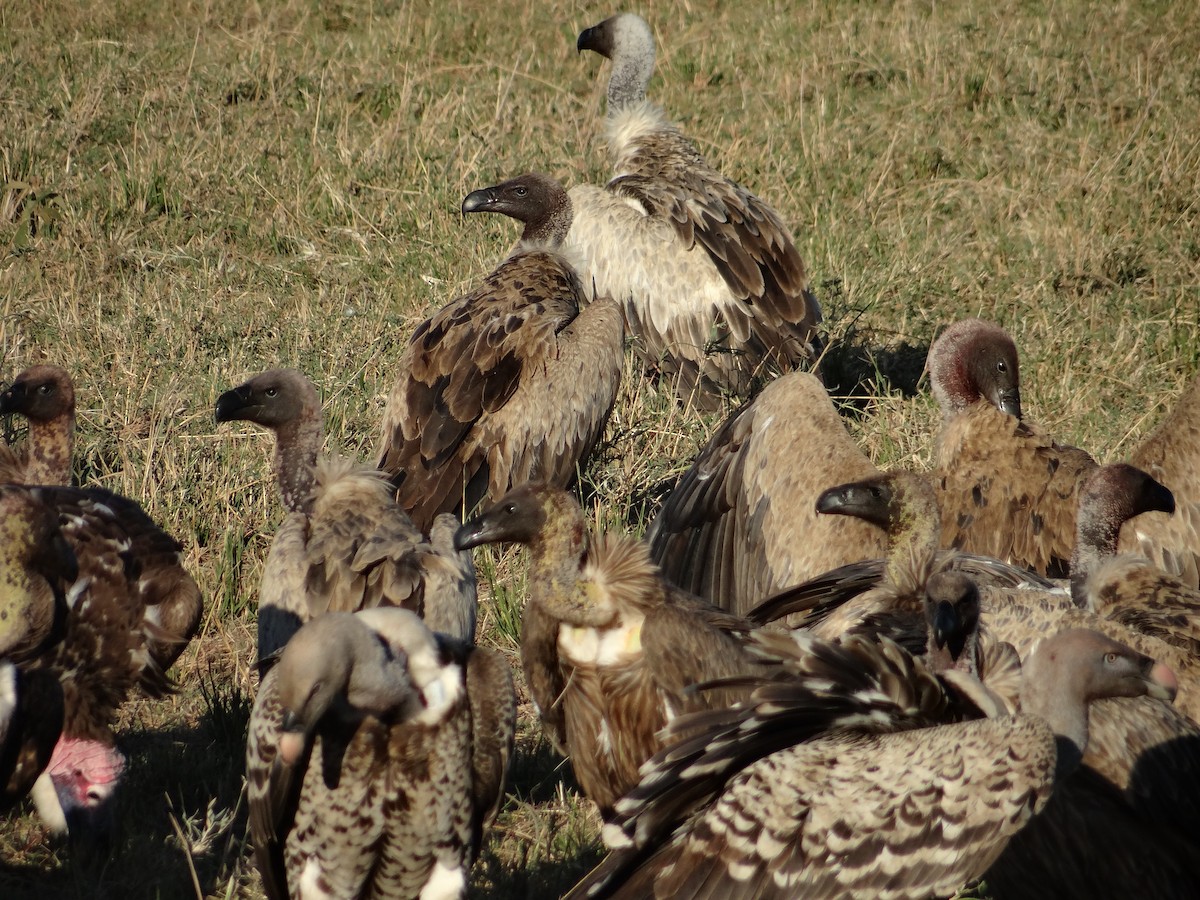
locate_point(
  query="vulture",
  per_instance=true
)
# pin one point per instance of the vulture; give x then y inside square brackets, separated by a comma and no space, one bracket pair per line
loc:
[1171,453]
[855,778]
[609,649]
[376,758]
[512,382]
[344,544]
[710,278]
[97,598]
[1140,746]
[45,396]
[741,525]
[1006,489]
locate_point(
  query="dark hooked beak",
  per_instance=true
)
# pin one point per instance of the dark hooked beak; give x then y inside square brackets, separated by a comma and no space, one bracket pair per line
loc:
[1010,402]
[945,624]
[231,403]
[470,534]
[478,201]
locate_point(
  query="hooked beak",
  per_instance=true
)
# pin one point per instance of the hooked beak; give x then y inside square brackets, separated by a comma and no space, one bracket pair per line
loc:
[945,624]
[478,201]
[1009,401]
[471,534]
[232,404]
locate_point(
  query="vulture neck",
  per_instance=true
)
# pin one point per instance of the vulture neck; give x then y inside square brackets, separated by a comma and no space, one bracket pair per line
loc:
[913,541]
[378,681]
[549,231]
[296,446]
[557,558]
[52,448]
[630,74]
[1095,541]
[1063,708]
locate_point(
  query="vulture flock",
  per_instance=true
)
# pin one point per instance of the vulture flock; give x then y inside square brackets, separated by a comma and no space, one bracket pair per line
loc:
[812,679]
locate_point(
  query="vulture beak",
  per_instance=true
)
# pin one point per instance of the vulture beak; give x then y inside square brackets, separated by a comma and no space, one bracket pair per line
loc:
[870,502]
[471,534]
[587,39]
[1159,498]
[945,624]
[1162,683]
[8,400]
[292,739]
[479,201]
[1009,401]
[231,403]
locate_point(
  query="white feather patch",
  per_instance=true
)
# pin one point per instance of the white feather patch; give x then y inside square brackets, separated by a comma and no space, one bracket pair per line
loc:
[444,883]
[601,646]
[310,882]
[8,697]
[45,798]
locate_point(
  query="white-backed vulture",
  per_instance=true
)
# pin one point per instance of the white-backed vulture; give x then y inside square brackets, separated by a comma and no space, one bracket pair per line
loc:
[608,647]
[1006,489]
[709,275]
[101,632]
[376,758]
[512,382]
[887,803]
[741,525]
[1171,454]
[45,396]
[1138,745]
[344,544]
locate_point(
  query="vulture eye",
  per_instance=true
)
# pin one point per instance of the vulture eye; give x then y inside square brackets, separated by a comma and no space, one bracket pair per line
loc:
[520,190]
[1002,366]
[272,392]
[1111,658]
[510,509]
[45,389]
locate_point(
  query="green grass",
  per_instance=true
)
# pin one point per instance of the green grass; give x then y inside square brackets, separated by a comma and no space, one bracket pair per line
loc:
[191,193]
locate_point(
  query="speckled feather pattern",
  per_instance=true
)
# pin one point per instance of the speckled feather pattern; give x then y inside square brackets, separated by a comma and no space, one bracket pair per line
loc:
[375,806]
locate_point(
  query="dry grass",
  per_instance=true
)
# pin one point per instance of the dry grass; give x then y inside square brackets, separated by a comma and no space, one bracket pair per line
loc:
[190,193]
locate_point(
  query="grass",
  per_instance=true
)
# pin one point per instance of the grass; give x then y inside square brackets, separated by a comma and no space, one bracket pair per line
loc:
[193,192]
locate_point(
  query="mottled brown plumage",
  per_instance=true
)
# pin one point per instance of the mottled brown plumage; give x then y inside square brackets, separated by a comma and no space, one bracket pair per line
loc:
[742,525]
[513,381]
[1006,489]
[709,275]
[1171,454]
[607,646]
[344,544]
[887,802]
[111,615]
[45,396]
[376,758]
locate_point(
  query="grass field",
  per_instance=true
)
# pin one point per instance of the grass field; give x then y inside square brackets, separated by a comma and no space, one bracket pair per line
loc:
[192,192]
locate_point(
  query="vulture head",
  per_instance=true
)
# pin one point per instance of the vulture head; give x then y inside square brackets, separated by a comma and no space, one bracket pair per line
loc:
[83,777]
[336,665]
[535,199]
[37,566]
[273,399]
[626,39]
[896,502]
[973,361]
[520,517]
[285,401]
[952,619]
[1066,672]
[40,394]
[1110,496]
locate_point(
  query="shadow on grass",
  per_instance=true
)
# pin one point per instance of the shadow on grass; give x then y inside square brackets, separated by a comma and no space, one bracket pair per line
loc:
[192,775]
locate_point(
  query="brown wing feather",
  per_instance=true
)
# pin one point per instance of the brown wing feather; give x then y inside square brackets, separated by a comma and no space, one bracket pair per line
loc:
[742,523]
[448,428]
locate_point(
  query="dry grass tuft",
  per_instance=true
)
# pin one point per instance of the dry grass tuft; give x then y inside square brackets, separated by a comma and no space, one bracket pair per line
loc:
[191,193]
